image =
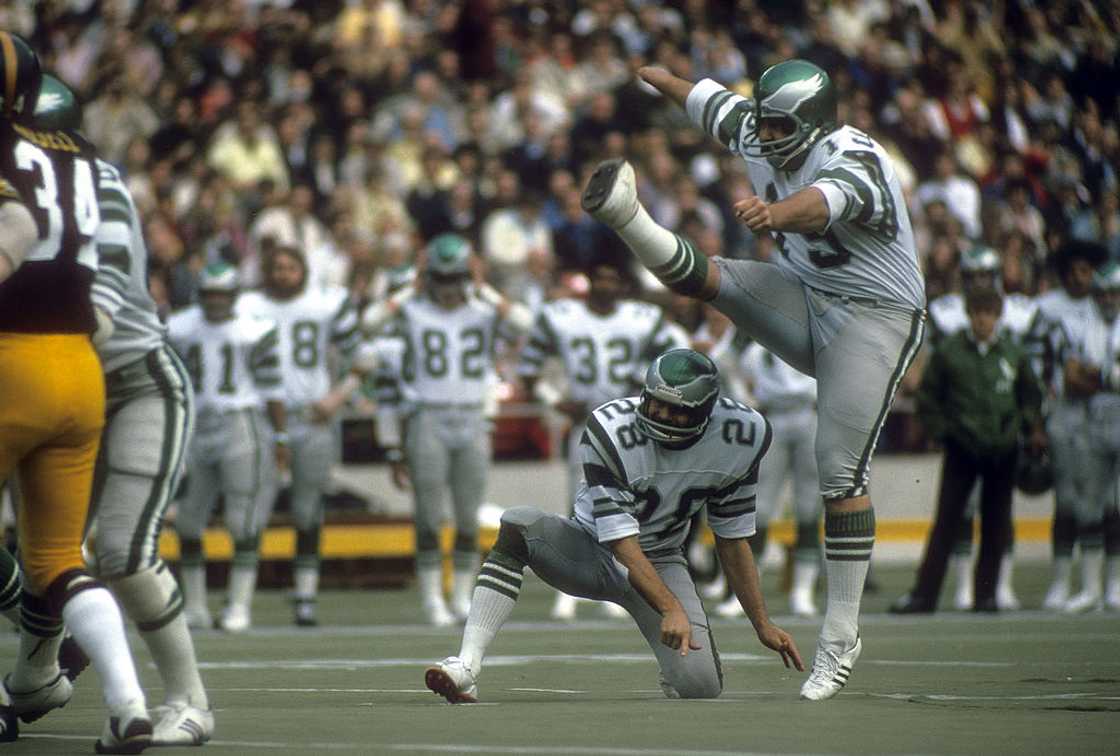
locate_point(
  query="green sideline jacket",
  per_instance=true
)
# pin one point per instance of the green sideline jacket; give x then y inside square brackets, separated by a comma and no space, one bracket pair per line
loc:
[981,402]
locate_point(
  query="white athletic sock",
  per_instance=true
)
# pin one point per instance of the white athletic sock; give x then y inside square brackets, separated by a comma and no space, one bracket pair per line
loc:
[242,584]
[495,594]
[653,244]
[95,622]
[1092,562]
[848,540]
[805,576]
[1006,574]
[193,578]
[305,582]
[1063,570]
[152,600]
[40,636]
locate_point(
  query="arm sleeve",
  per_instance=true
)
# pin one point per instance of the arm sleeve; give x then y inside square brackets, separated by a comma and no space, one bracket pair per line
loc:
[720,113]
[264,365]
[114,265]
[614,506]
[542,343]
[856,189]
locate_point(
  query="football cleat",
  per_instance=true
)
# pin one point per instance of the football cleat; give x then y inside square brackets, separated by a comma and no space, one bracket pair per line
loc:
[437,613]
[564,608]
[234,619]
[830,672]
[181,724]
[612,610]
[715,589]
[129,730]
[304,613]
[198,618]
[452,679]
[1006,599]
[1086,601]
[1057,597]
[801,603]
[72,660]
[730,607]
[34,704]
[611,194]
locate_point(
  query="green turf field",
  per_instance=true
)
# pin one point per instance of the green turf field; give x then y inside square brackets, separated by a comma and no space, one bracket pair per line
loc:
[954,683]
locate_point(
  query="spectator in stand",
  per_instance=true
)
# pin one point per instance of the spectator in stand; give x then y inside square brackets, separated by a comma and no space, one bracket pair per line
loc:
[246,152]
[959,193]
[511,234]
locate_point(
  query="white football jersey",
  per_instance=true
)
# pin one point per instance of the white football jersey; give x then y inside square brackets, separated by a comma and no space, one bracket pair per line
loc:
[309,324]
[121,285]
[1101,348]
[603,355]
[634,486]
[449,354]
[868,248]
[1061,324]
[776,385]
[947,315]
[233,365]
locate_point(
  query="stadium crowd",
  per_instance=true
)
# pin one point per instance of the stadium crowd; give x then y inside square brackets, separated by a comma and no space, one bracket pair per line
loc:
[360,129]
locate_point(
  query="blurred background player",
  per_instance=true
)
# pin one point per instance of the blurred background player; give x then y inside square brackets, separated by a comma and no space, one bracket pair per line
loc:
[53,409]
[603,344]
[449,332]
[1094,375]
[788,399]
[235,369]
[314,326]
[1057,336]
[980,267]
[980,396]
[650,462]
[149,414]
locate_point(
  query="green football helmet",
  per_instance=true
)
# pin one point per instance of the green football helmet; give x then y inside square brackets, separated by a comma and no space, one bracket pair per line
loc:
[686,380]
[800,95]
[218,286]
[20,73]
[981,266]
[57,108]
[449,258]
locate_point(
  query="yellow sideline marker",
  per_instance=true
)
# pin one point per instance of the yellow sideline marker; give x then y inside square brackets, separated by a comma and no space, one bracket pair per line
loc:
[389,540]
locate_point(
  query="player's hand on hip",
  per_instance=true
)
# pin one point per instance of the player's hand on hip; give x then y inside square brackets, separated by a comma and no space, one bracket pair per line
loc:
[676,632]
[777,639]
[755,213]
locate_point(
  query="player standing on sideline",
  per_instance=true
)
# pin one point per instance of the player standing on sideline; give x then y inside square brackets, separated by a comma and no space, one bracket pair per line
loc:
[649,464]
[235,370]
[980,267]
[788,399]
[310,322]
[149,410]
[1057,335]
[844,303]
[449,334]
[53,408]
[1094,376]
[603,343]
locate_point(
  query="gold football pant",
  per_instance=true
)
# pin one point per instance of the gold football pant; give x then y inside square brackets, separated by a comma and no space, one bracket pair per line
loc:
[52,409]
